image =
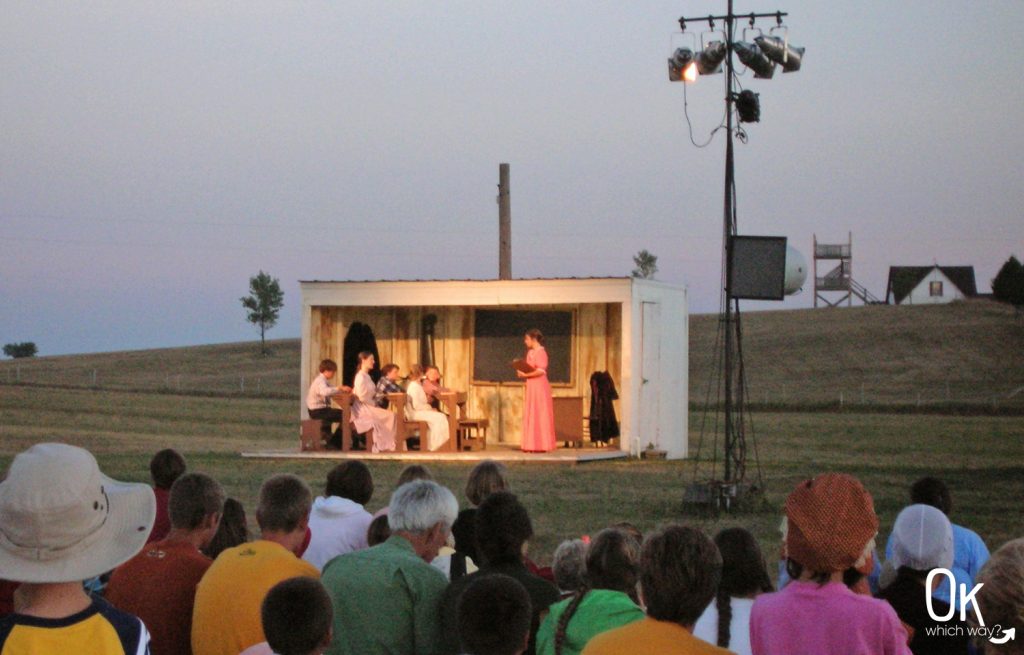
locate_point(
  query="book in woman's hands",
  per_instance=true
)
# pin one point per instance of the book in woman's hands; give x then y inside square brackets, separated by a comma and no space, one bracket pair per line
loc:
[522,365]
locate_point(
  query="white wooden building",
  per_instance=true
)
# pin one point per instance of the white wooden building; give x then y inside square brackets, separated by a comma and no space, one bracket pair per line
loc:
[929,285]
[637,330]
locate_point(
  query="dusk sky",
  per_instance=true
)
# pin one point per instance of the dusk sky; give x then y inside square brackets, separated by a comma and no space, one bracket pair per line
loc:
[154,155]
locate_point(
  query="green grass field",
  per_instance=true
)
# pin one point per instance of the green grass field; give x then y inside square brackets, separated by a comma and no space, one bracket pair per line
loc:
[212,402]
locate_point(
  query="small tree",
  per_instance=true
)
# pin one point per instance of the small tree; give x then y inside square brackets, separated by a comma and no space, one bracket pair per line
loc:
[20,350]
[646,265]
[264,304]
[1008,284]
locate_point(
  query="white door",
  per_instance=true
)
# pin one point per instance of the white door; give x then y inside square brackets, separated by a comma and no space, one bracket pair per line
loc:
[650,377]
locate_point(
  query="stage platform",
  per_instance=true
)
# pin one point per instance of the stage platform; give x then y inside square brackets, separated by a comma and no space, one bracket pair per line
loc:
[497,452]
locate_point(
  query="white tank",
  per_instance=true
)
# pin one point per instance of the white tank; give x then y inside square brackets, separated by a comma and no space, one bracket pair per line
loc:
[796,271]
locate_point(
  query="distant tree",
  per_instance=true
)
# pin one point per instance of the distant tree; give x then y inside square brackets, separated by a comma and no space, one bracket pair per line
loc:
[1008,284]
[19,350]
[263,304]
[646,265]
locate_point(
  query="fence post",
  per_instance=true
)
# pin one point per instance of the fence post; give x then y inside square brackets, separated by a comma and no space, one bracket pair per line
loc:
[840,398]
[241,384]
[94,377]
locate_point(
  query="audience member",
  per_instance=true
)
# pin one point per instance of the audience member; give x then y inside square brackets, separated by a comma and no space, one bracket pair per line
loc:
[1001,597]
[494,616]
[726,621]
[969,551]
[339,521]
[679,572]
[413,472]
[378,532]
[226,619]
[831,527]
[386,598]
[232,531]
[569,566]
[922,541]
[165,467]
[487,477]
[607,600]
[159,584]
[62,521]
[296,616]
[503,528]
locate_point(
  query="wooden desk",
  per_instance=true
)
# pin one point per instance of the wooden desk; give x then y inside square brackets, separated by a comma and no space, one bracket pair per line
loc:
[454,403]
[343,401]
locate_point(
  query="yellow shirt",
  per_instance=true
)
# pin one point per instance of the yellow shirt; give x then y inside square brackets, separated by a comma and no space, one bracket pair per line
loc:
[226,618]
[650,637]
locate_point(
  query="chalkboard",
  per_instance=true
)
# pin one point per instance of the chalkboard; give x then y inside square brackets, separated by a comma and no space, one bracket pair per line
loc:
[498,339]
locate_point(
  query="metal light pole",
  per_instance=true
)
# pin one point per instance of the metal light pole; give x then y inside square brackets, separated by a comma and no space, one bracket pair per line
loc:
[723,492]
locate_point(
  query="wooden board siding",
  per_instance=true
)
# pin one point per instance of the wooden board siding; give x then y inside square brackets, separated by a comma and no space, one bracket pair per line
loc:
[597,347]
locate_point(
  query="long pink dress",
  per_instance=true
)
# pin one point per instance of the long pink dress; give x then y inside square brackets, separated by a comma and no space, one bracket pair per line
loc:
[367,416]
[539,412]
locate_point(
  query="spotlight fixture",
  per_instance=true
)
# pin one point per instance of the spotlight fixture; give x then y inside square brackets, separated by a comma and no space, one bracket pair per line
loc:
[752,57]
[748,106]
[779,51]
[682,66]
[709,60]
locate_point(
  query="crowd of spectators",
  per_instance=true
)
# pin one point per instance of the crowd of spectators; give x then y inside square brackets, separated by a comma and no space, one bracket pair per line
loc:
[93,565]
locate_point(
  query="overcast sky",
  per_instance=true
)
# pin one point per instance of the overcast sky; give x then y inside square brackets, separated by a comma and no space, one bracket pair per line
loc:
[154,155]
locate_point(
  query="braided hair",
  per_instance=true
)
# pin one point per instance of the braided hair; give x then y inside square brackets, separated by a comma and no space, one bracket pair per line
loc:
[612,560]
[743,574]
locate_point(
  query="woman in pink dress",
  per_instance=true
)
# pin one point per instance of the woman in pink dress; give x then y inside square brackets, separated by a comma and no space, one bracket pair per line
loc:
[538,413]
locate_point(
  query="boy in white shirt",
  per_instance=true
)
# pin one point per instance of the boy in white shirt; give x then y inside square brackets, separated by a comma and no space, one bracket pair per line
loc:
[318,402]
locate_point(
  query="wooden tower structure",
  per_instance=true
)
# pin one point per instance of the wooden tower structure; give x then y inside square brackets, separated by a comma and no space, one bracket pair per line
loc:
[838,282]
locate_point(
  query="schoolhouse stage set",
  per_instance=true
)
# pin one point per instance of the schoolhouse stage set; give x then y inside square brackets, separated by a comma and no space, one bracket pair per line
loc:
[631,332]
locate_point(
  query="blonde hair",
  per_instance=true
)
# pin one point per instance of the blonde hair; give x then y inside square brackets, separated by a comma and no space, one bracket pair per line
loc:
[1001,598]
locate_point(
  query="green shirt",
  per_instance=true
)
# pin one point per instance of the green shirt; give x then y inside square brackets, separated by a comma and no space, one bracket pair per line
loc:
[386,601]
[601,610]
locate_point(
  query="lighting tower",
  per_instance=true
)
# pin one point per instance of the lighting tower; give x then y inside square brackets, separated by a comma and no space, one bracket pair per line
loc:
[761,57]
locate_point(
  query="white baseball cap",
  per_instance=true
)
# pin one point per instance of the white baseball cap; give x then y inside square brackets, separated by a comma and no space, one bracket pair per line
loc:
[62,520]
[922,539]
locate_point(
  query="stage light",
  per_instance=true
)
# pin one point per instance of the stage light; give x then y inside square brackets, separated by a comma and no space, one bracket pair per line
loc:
[752,57]
[778,50]
[709,60]
[682,66]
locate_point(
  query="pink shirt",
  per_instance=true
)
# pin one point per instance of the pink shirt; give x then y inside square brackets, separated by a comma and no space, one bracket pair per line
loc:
[808,618]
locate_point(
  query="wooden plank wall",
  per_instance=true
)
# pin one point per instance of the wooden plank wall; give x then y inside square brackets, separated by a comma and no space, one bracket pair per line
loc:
[598,347]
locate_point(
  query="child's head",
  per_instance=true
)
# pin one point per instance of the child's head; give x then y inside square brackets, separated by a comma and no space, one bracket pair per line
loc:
[297,616]
[486,478]
[831,526]
[412,473]
[166,467]
[494,616]
[390,371]
[379,531]
[328,367]
[433,373]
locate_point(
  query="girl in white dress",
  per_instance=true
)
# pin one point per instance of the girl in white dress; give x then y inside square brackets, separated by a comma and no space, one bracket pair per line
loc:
[417,408]
[365,413]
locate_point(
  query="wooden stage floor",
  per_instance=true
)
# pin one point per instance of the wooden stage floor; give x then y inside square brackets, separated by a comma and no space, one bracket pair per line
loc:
[497,452]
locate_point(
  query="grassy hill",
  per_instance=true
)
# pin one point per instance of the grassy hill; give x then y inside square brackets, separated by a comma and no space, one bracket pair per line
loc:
[965,353]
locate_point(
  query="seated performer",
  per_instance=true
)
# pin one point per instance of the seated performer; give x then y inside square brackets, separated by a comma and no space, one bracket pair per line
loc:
[417,408]
[388,383]
[432,386]
[365,413]
[318,402]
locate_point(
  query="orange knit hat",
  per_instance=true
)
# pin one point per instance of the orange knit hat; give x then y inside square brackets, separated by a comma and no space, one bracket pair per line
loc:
[831,520]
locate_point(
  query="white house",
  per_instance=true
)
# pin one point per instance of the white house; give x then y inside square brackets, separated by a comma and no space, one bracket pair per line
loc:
[929,285]
[636,330]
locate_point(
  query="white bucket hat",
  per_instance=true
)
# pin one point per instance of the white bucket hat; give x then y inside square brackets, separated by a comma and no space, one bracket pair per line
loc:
[61,520]
[922,539]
